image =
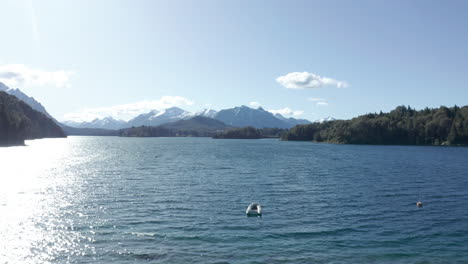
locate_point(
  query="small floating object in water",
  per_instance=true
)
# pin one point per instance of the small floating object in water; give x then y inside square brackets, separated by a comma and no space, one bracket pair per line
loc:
[419,204]
[254,209]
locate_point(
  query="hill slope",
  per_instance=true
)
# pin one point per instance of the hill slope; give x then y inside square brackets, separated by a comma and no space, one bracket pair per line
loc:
[25,98]
[18,121]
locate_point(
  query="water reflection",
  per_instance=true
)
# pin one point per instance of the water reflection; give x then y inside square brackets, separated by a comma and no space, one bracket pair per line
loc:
[34,201]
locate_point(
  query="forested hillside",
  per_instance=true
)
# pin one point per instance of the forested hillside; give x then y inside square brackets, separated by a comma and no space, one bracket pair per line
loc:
[240,133]
[402,126]
[197,126]
[18,121]
[250,133]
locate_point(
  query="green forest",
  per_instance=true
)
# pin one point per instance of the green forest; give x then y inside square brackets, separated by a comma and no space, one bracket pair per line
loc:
[401,126]
[18,121]
[240,133]
[250,133]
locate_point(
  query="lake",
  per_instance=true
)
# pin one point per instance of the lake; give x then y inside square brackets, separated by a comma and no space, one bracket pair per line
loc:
[183,200]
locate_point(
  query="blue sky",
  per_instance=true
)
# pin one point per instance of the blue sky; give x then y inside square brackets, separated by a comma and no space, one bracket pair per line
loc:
[85,58]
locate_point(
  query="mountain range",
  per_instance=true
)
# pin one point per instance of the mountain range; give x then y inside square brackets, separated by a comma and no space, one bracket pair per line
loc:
[104,123]
[240,116]
[235,117]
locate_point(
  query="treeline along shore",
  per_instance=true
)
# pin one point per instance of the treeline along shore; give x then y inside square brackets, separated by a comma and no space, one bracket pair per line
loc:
[401,126]
[250,133]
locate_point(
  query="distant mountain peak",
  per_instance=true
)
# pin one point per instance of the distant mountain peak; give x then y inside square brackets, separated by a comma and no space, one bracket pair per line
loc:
[326,119]
[156,118]
[177,112]
[174,111]
[107,122]
[278,115]
[174,108]
[207,112]
[243,115]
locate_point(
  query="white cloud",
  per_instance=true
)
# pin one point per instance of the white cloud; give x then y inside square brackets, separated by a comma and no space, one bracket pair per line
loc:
[254,104]
[303,80]
[315,99]
[318,101]
[286,112]
[20,74]
[127,111]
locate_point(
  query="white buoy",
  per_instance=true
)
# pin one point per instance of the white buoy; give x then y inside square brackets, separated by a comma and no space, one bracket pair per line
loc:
[254,209]
[419,204]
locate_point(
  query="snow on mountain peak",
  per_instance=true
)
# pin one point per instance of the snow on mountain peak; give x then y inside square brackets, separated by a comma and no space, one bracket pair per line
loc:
[326,119]
[207,112]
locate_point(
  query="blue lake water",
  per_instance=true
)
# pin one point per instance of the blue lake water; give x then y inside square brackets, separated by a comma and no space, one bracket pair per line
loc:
[183,200]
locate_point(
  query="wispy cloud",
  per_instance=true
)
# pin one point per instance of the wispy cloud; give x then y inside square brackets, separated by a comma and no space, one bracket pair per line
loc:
[307,80]
[254,104]
[315,99]
[20,74]
[321,104]
[127,111]
[318,101]
[286,112]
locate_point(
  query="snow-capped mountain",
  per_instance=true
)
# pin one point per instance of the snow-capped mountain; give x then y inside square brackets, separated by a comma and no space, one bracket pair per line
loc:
[105,123]
[326,119]
[206,113]
[143,119]
[245,116]
[155,118]
[292,121]
[236,117]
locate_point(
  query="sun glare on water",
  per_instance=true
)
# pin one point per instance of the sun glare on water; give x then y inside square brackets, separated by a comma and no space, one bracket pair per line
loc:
[32,183]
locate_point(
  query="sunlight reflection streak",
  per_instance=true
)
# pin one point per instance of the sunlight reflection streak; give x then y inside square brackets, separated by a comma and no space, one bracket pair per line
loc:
[35,195]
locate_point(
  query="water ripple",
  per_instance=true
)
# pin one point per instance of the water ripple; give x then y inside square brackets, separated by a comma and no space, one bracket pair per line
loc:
[182,200]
